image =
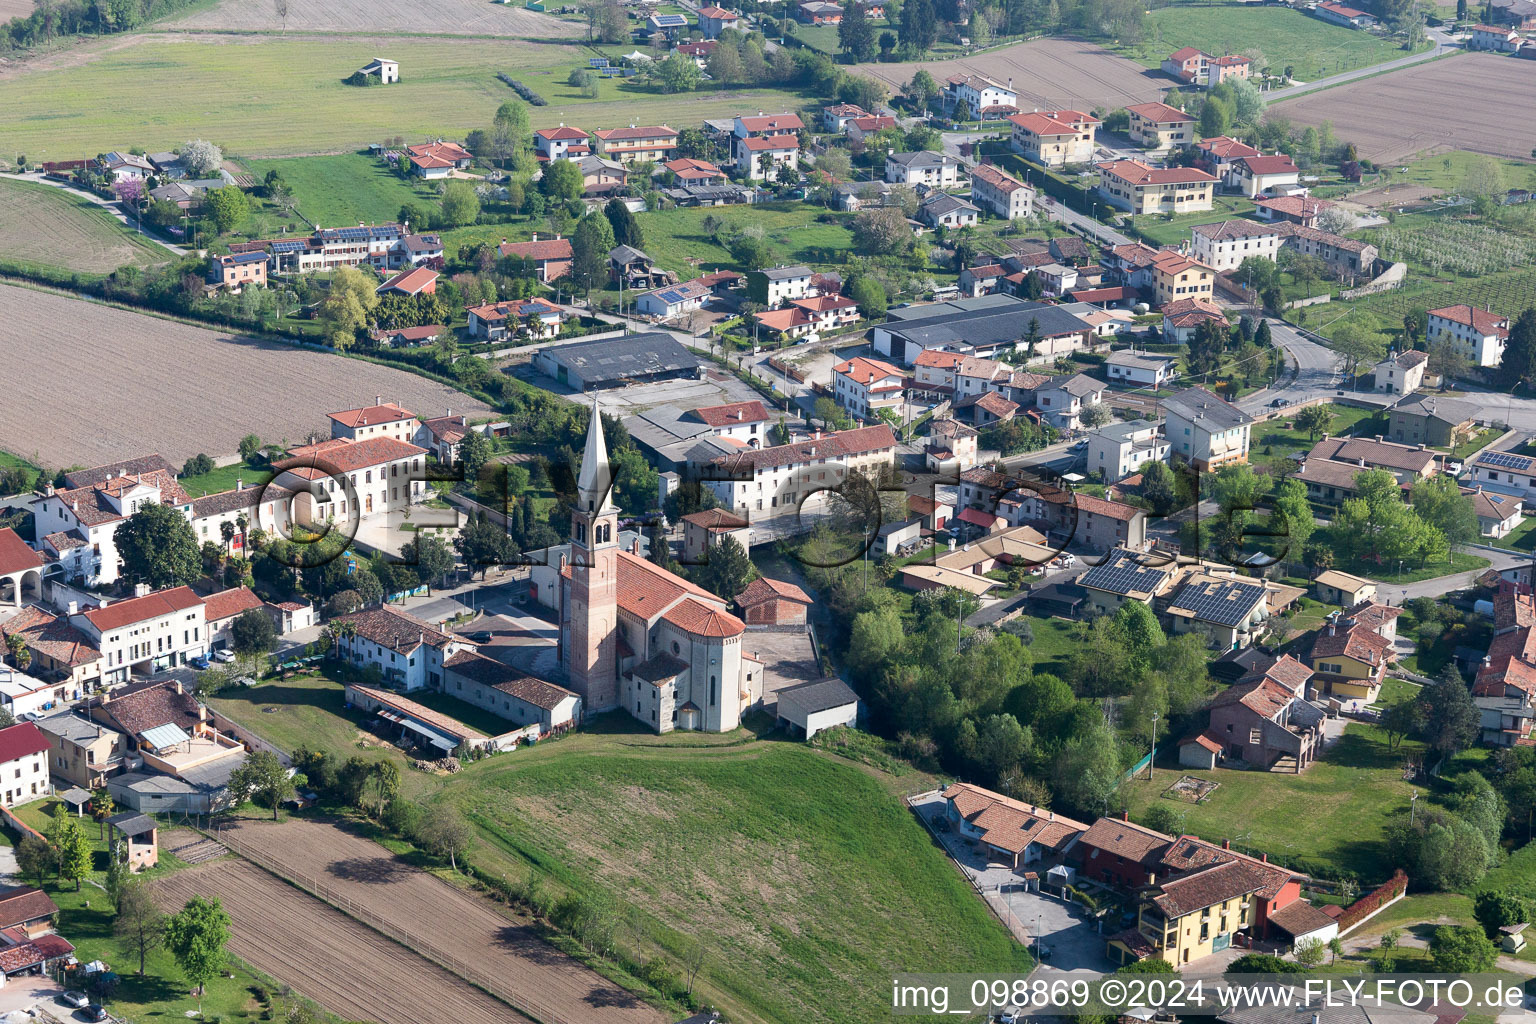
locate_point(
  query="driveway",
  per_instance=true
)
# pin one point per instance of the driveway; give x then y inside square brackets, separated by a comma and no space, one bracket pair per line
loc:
[1073,939]
[27,991]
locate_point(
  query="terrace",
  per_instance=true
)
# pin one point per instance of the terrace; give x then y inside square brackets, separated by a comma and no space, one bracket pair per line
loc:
[168,749]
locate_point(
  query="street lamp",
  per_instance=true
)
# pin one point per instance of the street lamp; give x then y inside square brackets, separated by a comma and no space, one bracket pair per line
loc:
[1413,801]
[1152,754]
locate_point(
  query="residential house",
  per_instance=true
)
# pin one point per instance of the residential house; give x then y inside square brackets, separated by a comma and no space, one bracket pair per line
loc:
[1217,153]
[1157,126]
[1350,660]
[984,98]
[709,529]
[441,435]
[334,481]
[835,117]
[409,337]
[510,693]
[633,269]
[387,71]
[1055,279]
[1401,373]
[60,652]
[146,633]
[859,129]
[983,280]
[1498,38]
[1054,138]
[23,764]
[438,159]
[1268,724]
[746,422]
[1135,186]
[551,257]
[714,20]
[1338,14]
[670,25]
[1342,588]
[1302,210]
[560,143]
[819,12]
[1187,64]
[1224,245]
[1330,468]
[220,611]
[1205,430]
[1232,67]
[600,176]
[1255,175]
[942,210]
[82,752]
[1505,473]
[1442,422]
[1018,833]
[1497,514]
[1131,265]
[1175,276]
[1182,318]
[951,444]
[1192,917]
[1348,258]
[234,271]
[1002,194]
[865,386]
[1227,610]
[777,285]
[694,172]
[1506,720]
[534,318]
[1063,399]
[1117,450]
[126,166]
[936,170]
[76,525]
[381,419]
[1139,369]
[416,281]
[27,695]
[409,653]
[1479,334]
[1124,575]
[652,143]
[805,316]
[760,157]
[791,479]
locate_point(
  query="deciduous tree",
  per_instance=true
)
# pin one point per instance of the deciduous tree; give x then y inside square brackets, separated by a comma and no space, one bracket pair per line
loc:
[139,920]
[157,547]
[196,936]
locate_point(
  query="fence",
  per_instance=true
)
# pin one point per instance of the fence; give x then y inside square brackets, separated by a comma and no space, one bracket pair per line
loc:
[419,944]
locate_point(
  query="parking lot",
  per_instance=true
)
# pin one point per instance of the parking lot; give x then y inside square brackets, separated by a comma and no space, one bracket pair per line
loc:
[1072,940]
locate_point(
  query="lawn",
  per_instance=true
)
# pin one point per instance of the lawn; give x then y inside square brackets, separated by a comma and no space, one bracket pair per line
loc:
[1279,439]
[224,478]
[1160,230]
[1051,644]
[1448,170]
[349,188]
[267,97]
[1276,37]
[1521,538]
[1347,800]
[805,878]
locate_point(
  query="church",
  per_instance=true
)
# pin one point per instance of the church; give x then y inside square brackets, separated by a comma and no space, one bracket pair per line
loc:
[636,636]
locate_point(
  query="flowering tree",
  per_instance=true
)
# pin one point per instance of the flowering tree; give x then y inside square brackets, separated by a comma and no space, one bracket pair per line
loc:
[128,190]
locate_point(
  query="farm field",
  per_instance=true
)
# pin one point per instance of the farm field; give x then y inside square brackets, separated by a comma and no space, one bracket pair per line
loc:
[268,97]
[43,226]
[1347,797]
[316,949]
[1439,92]
[240,385]
[348,188]
[1281,36]
[15,9]
[409,901]
[1046,73]
[445,17]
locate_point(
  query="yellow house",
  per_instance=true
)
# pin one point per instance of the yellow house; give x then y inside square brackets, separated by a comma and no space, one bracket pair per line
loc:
[1191,917]
[1350,661]
[1176,276]
[1159,126]
[1134,186]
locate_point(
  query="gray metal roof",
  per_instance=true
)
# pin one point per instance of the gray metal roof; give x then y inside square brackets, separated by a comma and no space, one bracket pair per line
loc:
[934,310]
[991,325]
[820,695]
[131,823]
[921,158]
[629,355]
[786,273]
[72,727]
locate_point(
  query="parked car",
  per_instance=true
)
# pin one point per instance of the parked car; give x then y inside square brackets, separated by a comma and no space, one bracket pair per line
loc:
[201,661]
[1280,403]
[482,636]
[74,999]
[224,655]
[29,716]
[95,1012]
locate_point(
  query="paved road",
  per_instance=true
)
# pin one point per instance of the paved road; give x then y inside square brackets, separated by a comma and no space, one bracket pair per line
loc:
[1317,370]
[108,205]
[1444,44]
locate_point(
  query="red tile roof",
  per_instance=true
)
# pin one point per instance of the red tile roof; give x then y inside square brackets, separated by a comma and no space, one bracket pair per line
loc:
[694,616]
[764,589]
[1481,320]
[397,631]
[732,413]
[1207,888]
[1185,53]
[716,520]
[939,357]
[410,281]
[142,609]
[18,741]
[1278,164]
[773,142]
[772,123]
[1191,311]
[51,637]
[865,371]
[15,556]
[1160,113]
[373,415]
[659,131]
[29,954]
[22,903]
[229,603]
[562,132]
[689,168]
[1135,172]
[314,462]
[1109,509]
[860,441]
[1226,147]
[1358,642]
[1294,206]
[539,250]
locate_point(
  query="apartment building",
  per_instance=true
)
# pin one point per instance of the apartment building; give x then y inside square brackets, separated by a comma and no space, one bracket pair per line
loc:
[146,633]
[654,143]
[560,143]
[865,386]
[1133,185]
[1054,138]
[1001,193]
[1118,450]
[983,97]
[1176,276]
[1479,334]
[1223,246]
[1348,258]
[1255,175]
[1205,430]
[1159,126]
[766,482]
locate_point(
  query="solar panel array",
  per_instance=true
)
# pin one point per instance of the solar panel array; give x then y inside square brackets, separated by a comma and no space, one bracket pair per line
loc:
[1123,574]
[670,20]
[1225,603]
[1505,460]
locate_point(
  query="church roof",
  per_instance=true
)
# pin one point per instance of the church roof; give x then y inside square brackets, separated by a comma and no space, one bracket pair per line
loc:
[694,616]
[594,487]
[646,590]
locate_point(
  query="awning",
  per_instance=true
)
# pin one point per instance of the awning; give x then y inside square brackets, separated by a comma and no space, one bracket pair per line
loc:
[162,736]
[438,739]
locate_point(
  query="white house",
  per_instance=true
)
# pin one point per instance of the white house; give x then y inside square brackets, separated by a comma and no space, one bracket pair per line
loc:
[1255,175]
[936,170]
[1224,245]
[759,483]
[1506,473]
[1139,369]
[146,633]
[126,166]
[1063,399]
[22,694]
[865,386]
[1498,38]
[1206,430]
[562,143]
[1117,450]
[760,157]
[23,764]
[983,97]
[1480,334]
[1401,373]
[1054,138]
[1001,193]
[777,285]
[76,524]
[409,653]
[388,71]
[942,210]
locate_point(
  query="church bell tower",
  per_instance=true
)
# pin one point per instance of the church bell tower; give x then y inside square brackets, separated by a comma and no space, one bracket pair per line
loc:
[593,642]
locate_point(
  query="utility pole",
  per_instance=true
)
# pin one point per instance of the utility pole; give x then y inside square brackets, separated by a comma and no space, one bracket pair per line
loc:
[1152,754]
[1413,802]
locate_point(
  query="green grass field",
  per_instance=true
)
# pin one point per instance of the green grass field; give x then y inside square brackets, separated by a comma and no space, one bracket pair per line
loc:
[50,228]
[224,478]
[348,188]
[1347,799]
[263,96]
[1311,47]
[1160,230]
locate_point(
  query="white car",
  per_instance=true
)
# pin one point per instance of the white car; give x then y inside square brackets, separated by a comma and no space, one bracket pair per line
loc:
[223,655]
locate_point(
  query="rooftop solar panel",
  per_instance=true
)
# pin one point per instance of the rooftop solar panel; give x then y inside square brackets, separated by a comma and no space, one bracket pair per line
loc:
[1505,460]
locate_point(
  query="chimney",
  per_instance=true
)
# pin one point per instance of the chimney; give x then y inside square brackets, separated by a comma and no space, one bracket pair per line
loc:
[1226,844]
[535,236]
[1264,857]
[140,589]
[634,547]
[1331,629]
[1125,815]
[239,483]
[76,504]
[177,684]
[73,608]
[378,399]
[1378,439]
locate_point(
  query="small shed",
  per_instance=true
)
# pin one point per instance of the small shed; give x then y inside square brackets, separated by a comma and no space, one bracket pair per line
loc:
[894,536]
[1302,921]
[1199,751]
[76,798]
[140,834]
[1060,876]
[809,708]
[1512,937]
[768,602]
[1342,588]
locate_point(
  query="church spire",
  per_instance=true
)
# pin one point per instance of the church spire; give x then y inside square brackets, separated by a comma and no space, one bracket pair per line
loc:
[594,487]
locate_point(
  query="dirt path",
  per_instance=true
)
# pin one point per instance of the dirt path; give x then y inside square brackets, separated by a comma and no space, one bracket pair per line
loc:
[457,925]
[326,956]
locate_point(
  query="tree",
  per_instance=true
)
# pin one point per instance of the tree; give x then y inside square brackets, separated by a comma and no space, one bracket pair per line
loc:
[1401,720]
[73,848]
[1292,518]
[196,936]
[1151,965]
[1215,117]
[228,206]
[1519,362]
[562,181]
[881,231]
[918,26]
[262,778]
[482,544]
[1493,910]
[1160,487]
[249,446]
[34,857]
[1315,420]
[1451,718]
[384,782]
[1439,502]
[870,295]
[1358,339]
[442,830]
[429,556]
[1097,415]
[855,35]
[460,205]
[1087,770]
[1262,963]
[1309,952]
[157,547]
[138,919]
[252,633]
[1164,818]
[678,73]
[201,159]
[728,570]
[922,91]
[590,246]
[1462,949]
[725,66]
[626,230]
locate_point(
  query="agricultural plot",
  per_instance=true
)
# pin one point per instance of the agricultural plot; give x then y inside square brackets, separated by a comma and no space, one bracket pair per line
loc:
[15,9]
[1456,247]
[349,188]
[270,97]
[1277,37]
[49,227]
[194,390]
[415,17]
[1369,112]
[1046,73]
